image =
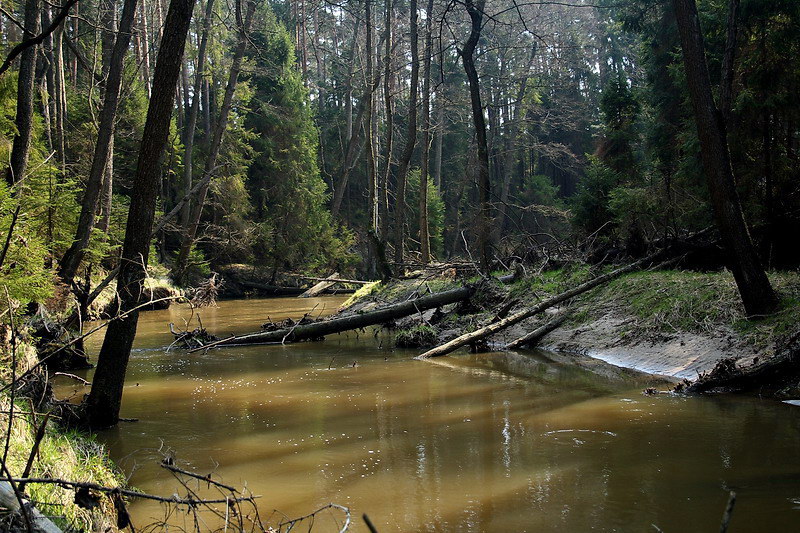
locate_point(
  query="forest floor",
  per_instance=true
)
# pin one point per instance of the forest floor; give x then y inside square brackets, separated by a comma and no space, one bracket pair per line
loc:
[674,324]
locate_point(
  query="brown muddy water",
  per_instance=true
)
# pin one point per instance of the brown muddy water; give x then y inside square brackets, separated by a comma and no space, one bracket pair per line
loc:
[525,441]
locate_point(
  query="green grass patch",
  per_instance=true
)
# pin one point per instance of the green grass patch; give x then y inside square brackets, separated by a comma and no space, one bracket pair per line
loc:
[62,454]
[416,337]
[670,302]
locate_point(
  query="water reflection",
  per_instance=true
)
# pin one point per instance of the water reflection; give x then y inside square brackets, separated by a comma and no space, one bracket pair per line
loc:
[489,442]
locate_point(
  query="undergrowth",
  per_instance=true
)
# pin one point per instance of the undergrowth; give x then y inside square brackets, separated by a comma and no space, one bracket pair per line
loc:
[62,454]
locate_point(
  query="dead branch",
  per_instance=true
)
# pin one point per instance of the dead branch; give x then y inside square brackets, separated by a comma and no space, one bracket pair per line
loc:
[174,499]
[533,338]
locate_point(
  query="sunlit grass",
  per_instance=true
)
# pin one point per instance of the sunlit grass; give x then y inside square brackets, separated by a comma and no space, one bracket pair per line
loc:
[62,454]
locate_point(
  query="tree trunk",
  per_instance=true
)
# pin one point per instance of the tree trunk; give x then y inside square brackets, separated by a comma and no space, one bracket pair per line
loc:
[191,118]
[102,152]
[475,11]
[143,37]
[109,21]
[754,287]
[25,90]
[424,236]
[411,140]
[372,174]
[219,130]
[440,130]
[388,87]
[534,337]
[337,325]
[105,398]
[729,63]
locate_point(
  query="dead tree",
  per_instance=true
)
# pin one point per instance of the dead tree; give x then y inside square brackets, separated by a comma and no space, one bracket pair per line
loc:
[486,331]
[319,329]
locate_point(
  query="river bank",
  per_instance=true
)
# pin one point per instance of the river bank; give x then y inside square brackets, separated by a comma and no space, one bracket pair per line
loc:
[491,441]
[674,324]
[60,453]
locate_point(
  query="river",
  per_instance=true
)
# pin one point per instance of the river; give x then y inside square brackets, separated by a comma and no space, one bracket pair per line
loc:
[523,441]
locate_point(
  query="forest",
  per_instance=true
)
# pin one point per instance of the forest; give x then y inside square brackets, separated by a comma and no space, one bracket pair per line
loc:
[618,180]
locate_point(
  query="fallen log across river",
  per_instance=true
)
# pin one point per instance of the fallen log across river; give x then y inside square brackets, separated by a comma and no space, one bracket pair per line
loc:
[316,330]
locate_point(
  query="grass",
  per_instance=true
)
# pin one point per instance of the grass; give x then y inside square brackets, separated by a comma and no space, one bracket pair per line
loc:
[672,302]
[549,283]
[62,454]
[416,337]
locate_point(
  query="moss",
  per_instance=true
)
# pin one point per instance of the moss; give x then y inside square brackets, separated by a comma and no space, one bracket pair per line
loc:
[361,293]
[416,337]
[397,291]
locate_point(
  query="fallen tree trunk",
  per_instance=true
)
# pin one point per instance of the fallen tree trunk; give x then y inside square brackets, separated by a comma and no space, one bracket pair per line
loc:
[319,329]
[39,523]
[334,279]
[320,287]
[533,338]
[491,329]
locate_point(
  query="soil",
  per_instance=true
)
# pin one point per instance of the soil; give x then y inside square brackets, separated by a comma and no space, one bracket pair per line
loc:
[678,356]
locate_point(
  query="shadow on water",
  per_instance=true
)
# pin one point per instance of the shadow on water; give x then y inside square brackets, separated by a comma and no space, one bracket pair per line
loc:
[516,441]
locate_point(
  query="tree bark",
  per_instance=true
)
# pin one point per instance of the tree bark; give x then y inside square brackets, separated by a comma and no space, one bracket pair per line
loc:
[424,235]
[475,11]
[102,151]
[408,149]
[25,89]
[754,287]
[105,398]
